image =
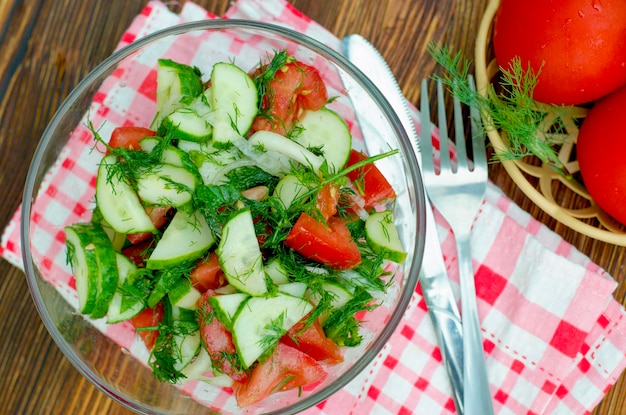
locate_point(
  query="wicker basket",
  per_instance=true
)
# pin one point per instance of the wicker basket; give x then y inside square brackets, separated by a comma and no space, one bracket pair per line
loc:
[566,200]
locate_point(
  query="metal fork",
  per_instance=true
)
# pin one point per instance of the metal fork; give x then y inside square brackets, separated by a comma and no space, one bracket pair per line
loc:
[458,194]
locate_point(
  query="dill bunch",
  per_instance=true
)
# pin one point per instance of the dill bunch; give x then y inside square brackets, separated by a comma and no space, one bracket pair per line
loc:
[512,109]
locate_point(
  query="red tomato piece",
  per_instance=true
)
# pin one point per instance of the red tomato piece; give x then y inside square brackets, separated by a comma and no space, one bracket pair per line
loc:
[208,275]
[370,183]
[149,318]
[129,137]
[285,369]
[139,252]
[332,246]
[218,341]
[158,216]
[312,95]
[313,341]
[296,87]
[577,44]
[600,150]
[327,200]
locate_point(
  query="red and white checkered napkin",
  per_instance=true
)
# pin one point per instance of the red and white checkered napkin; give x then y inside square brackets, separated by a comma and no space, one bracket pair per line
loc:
[554,338]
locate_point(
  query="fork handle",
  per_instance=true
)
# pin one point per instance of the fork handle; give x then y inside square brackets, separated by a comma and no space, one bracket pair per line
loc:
[477,398]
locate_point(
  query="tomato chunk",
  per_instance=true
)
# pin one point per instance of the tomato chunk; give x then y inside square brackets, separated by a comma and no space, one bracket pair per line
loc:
[327,200]
[139,252]
[218,341]
[148,320]
[129,137]
[370,183]
[208,275]
[159,217]
[332,245]
[313,341]
[285,369]
[296,87]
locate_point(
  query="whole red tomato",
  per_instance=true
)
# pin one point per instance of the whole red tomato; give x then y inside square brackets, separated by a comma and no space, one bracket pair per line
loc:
[580,45]
[601,153]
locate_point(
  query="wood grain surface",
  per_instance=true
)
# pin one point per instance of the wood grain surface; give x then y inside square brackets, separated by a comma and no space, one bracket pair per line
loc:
[48,46]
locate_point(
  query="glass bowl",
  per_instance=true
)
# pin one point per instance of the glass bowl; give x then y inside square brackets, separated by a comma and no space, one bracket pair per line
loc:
[60,185]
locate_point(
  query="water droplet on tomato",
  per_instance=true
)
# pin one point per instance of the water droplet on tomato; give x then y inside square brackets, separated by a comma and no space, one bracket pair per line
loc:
[597,5]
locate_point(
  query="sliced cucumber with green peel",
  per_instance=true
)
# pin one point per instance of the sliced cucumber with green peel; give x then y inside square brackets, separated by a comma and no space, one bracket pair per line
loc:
[240,255]
[289,148]
[233,100]
[82,256]
[188,341]
[226,306]
[382,236]
[184,295]
[262,321]
[123,307]
[296,288]
[177,85]
[118,202]
[187,238]
[288,189]
[191,123]
[95,268]
[276,271]
[327,131]
[171,155]
[166,185]
[339,296]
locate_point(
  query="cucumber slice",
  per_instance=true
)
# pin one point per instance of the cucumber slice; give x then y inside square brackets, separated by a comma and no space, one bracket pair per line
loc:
[296,289]
[187,238]
[197,369]
[192,123]
[171,155]
[234,102]
[184,295]
[289,148]
[118,240]
[240,255]
[123,307]
[166,185]
[118,203]
[382,236]
[262,321]
[326,130]
[93,260]
[226,306]
[277,273]
[340,296]
[188,342]
[288,189]
[109,277]
[82,255]
[177,85]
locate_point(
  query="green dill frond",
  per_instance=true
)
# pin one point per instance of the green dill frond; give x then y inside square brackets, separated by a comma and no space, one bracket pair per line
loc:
[273,332]
[511,109]
[342,326]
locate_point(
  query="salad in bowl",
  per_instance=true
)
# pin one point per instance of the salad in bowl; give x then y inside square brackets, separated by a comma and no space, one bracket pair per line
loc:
[241,240]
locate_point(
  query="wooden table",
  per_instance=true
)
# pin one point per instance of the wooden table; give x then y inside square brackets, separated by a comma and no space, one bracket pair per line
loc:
[48,46]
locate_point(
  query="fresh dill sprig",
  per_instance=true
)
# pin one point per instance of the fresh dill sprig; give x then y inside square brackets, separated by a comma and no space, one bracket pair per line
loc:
[512,110]
[273,332]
